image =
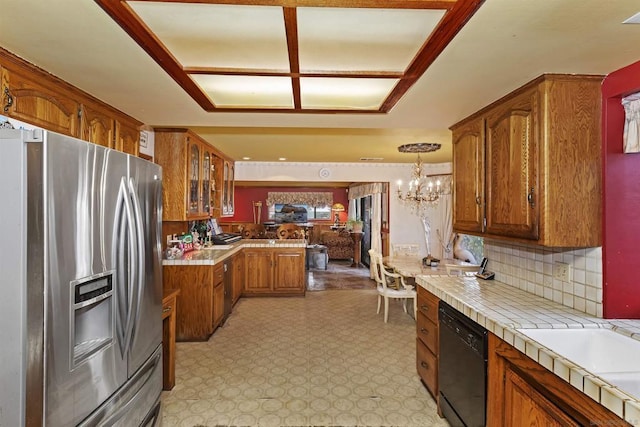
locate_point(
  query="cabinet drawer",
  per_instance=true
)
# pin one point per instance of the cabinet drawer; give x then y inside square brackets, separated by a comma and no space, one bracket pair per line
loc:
[427,331]
[427,365]
[428,304]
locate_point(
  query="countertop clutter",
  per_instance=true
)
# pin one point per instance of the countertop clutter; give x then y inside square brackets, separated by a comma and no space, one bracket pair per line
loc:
[503,309]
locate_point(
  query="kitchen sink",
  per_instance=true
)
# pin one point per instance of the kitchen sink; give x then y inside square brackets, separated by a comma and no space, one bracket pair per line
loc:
[596,350]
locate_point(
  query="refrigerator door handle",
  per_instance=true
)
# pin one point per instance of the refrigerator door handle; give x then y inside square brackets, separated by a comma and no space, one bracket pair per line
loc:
[139,255]
[126,274]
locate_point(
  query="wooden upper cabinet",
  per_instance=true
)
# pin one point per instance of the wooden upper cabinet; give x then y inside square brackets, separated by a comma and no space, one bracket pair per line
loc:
[37,101]
[190,182]
[541,170]
[227,195]
[97,126]
[511,167]
[127,137]
[468,176]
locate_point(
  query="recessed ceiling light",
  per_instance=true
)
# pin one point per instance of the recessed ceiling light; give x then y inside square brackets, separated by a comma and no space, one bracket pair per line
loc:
[635,19]
[371,159]
[282,158]
[246,158]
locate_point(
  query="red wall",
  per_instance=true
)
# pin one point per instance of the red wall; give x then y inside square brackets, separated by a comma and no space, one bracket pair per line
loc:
[245,196]
[621,202]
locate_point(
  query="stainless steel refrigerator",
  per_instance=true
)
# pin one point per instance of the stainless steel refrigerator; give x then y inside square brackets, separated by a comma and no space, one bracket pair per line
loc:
[80,283]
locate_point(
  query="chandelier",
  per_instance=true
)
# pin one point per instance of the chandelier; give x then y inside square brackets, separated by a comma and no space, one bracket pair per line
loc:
[423,193]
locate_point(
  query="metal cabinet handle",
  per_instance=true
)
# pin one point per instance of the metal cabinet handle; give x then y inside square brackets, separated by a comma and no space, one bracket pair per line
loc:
[425,365]
[478,200]
[424,307]
[424,331]
[9,99]
[167,309]
[530,198]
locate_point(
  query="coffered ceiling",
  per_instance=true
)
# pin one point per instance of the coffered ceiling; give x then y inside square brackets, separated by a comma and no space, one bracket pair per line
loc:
[293,56]
[146,66]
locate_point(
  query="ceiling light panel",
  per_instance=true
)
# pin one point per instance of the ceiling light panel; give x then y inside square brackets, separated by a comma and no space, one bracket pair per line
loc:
[247,91]
[225,36]
[362,39]
[344,93]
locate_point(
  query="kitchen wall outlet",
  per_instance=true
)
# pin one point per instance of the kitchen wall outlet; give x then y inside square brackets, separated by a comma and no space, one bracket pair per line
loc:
[562,271]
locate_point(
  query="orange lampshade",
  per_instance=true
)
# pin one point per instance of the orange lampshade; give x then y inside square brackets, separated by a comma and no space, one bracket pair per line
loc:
[338,207]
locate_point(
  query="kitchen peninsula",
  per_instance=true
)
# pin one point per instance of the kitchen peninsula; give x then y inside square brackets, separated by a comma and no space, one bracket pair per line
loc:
[211,280]
[521,371]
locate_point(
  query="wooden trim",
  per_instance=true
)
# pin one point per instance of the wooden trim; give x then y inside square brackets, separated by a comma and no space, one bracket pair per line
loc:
[457,13]
[375,4]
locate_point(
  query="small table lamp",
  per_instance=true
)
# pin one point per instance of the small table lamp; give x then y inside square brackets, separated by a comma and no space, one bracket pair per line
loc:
[337,207]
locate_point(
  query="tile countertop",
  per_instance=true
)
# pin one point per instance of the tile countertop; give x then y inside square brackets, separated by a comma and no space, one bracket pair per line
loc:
[216,254]
[501,309]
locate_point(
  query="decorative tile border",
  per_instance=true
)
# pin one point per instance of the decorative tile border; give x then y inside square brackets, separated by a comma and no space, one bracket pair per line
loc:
[502,309]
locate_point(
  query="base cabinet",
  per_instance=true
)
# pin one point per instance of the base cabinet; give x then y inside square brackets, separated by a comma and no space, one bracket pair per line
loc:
[274,271]
[238,277]
[427,348]
[200,308]
[523,393]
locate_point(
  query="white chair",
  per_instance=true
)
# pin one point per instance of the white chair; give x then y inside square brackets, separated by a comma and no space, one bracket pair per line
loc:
[383,278]
[405,249]
[461,270]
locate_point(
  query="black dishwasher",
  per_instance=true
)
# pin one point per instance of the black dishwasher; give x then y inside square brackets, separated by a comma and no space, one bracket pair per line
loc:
[462,368]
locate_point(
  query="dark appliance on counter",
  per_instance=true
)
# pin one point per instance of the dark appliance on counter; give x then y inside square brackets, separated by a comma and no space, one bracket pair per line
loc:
[462,368]
[225,238]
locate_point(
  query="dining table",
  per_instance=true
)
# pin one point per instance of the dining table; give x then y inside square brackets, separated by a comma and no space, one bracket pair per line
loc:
[411,266]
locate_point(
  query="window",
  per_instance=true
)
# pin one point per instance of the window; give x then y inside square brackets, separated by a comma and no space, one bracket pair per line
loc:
[280,212]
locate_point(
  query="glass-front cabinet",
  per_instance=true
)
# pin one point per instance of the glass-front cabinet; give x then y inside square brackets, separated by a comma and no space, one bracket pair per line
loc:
[194,207]
[198,179]
[227,188]
[206,180]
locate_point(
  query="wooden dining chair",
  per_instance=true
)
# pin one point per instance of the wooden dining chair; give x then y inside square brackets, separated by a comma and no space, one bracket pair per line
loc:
[383,278]
[253,231]
[290,231]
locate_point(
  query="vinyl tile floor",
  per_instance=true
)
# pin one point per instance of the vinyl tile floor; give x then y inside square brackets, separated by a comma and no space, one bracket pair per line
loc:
[326,359]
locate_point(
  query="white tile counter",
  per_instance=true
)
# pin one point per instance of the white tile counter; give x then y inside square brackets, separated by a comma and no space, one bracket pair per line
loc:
[502,309]
[214,255]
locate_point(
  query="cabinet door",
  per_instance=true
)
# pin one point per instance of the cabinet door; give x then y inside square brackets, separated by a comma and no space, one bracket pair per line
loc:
[230,189]
[512,198]
[525,406]
[193,180]
[225,188]
[206,181]
[218,304]
[238,276]
[289,271]
[127,138]
[97,126]
[468,177]
[258,271]
[33,100]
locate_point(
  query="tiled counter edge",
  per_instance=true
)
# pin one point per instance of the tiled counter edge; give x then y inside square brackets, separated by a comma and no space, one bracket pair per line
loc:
[501,309]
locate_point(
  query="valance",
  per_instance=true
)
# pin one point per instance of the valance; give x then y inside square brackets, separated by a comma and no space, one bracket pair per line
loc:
[314,199]
[357,191]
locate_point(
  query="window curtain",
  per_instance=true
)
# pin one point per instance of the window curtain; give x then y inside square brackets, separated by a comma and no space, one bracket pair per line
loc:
[631,136]
[315,199]
[445,231]
[374,190]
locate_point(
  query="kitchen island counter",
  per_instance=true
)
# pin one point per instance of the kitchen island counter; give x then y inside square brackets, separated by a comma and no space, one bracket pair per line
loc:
[216,254]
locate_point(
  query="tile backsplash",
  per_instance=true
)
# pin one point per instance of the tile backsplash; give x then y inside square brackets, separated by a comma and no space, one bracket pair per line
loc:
[530,268]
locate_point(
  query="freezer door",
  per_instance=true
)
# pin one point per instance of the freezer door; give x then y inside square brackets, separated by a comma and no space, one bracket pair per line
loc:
[146,189]
[83,211]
